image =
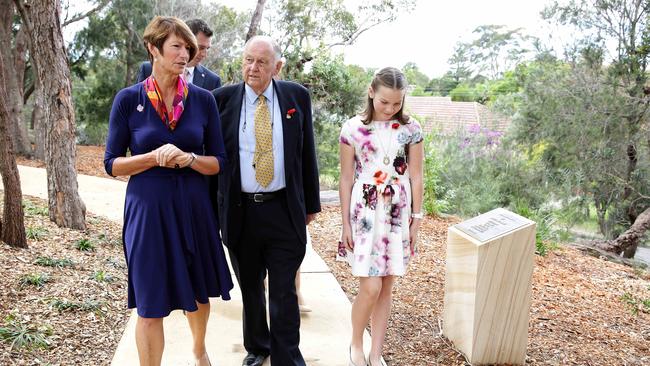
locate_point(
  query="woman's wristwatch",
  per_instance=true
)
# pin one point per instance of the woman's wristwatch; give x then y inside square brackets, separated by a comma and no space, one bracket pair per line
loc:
[417,215]
[192,161]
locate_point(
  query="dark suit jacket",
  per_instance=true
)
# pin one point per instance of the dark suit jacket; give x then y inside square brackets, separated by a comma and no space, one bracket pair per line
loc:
[203,77]
[300,166]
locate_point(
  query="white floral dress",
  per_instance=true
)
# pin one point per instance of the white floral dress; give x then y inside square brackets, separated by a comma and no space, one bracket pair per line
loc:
[380,206]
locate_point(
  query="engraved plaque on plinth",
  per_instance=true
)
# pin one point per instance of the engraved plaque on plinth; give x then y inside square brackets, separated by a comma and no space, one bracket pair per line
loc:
[488,275]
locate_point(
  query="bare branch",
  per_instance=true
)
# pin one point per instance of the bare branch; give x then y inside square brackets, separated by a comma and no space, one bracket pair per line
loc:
[102,4]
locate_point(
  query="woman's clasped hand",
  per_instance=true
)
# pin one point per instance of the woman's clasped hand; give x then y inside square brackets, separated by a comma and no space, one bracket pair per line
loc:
[170,156]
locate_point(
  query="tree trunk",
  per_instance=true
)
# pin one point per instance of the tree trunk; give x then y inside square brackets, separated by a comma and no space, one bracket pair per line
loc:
[50,61]
[630,238]
[256,20]
[13,79]
[12,231]
[38,124]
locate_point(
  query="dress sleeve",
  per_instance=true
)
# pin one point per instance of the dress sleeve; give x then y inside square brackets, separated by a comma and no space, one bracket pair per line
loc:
[119,136]
[416,132]
[213,139]
[346,134]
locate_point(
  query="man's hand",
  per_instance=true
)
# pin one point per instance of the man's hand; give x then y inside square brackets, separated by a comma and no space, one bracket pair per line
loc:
[310,218]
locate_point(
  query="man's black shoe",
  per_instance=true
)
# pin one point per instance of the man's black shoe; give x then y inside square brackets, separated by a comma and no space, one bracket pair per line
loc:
[253,360]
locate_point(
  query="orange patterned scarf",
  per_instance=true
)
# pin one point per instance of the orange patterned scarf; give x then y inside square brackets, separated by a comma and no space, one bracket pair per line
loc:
[169,118]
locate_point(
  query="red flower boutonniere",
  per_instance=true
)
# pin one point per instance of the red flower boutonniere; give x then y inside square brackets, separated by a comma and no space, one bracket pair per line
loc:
[290,112]
[395,125]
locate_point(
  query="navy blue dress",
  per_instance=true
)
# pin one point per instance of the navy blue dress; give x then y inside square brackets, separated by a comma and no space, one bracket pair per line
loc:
[171,235]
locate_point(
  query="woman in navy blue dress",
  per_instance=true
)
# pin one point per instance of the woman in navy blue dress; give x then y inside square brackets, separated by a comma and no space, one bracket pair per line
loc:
[171,237]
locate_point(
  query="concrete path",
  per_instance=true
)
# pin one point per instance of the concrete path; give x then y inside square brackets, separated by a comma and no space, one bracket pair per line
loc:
[325,331]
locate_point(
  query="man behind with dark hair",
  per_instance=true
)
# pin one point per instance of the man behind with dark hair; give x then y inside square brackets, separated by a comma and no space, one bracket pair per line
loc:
[195,73]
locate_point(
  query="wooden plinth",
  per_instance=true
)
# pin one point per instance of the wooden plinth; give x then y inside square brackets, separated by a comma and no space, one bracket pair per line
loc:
[488,287]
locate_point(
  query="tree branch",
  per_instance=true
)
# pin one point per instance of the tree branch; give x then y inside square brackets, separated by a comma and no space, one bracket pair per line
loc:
[90,12]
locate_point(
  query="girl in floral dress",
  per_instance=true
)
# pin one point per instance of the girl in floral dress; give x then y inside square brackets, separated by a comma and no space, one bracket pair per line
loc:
[381,204]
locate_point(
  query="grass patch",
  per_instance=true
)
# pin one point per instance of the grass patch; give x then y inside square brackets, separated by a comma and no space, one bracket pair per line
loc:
[102,276]
[32,209]
[85,245]
[634,304]
[88,305]
[22,335]
[53,262]
[34,279]
[36,233]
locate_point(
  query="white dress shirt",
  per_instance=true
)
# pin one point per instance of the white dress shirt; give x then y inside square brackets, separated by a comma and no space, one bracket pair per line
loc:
[247,142]
[189,74]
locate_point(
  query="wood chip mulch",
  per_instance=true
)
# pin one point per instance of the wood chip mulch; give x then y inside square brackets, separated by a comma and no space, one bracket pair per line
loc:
[81,309]
[585,310]
[90,161]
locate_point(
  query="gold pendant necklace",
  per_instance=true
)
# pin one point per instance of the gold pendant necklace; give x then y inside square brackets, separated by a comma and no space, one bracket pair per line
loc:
[390,143]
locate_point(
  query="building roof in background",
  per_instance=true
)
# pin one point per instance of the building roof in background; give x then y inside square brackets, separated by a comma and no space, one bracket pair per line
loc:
[441,114]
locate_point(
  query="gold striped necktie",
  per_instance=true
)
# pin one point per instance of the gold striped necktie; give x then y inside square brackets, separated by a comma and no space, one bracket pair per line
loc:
[263,157]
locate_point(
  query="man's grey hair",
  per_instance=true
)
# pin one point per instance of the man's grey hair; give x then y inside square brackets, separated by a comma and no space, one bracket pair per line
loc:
[277,52]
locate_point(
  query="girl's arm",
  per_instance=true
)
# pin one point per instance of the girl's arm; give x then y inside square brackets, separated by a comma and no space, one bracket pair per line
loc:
[416,171]
[416,168]
[346,181]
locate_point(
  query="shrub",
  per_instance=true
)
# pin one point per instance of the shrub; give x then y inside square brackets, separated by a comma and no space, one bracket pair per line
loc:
[22,335]
[476,170]
[102,276]
[35,233]
[53,262]
[85,245]
[34,279]
[32,209]
[66,305]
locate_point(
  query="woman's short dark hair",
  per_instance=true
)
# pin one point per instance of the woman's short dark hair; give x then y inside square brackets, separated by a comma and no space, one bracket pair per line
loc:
[160,28]
[388,77]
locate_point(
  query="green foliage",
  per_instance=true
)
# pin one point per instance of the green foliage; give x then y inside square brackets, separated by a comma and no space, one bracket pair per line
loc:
[420,92]
[20,334]
[480,170]
[107,53]
[442,86]
[53,262]
[414,76]
[87,305]
[337,88]
[463,93]
[34,279]
[488,91]
[545,237]
[496,49]
[102,276]
[434,167]
[229,27]
[36,233]
[635,304]
[460,63]
[575,119]
[592,117]
[34,209]
[338,91]
[85,245]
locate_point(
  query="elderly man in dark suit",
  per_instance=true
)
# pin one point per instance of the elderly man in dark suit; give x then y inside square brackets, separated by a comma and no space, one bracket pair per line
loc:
[265,197]
[195,73]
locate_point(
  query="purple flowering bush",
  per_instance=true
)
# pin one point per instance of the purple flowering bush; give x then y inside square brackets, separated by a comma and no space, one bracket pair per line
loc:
[478,169]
